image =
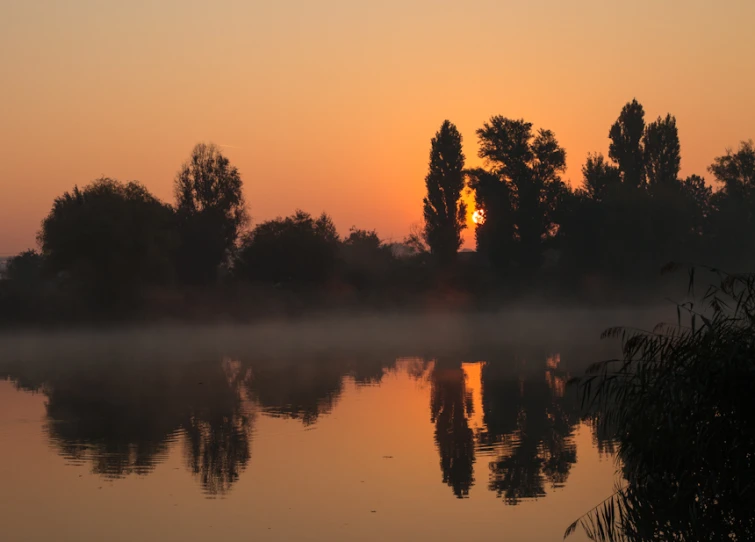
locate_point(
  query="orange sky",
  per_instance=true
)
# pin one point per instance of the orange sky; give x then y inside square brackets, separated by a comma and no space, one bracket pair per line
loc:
[331,104]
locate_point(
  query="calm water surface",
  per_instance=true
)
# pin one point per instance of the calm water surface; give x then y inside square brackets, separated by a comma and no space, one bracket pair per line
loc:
[350,430]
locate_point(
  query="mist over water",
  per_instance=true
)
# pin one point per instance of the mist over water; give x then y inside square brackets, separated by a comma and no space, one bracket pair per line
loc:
[401,334]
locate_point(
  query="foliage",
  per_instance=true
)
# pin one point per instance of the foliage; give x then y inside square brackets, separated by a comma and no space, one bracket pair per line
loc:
[601,179]
[733,215]
[110,240]
[680,402]
[365,258]
[295,249]
[521,191]
[21,287]
[211,212]
[626,143]
[662,152]
[24,268]
[445,213]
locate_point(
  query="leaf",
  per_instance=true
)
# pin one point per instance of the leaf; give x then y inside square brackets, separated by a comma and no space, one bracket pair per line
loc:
[570,529]
[612,332]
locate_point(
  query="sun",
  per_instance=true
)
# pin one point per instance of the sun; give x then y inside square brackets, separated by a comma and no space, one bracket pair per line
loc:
[478,217]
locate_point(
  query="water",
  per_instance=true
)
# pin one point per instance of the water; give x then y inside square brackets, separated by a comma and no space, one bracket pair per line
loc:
[356,429]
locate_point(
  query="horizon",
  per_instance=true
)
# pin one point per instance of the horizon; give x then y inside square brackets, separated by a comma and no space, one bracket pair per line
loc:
[332,108]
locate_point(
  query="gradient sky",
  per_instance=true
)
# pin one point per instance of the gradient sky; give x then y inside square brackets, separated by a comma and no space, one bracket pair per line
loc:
[331,104]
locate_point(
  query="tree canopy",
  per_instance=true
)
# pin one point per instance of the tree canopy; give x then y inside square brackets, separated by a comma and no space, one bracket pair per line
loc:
[211,212]
[110,239]
[445,213]
[295,249]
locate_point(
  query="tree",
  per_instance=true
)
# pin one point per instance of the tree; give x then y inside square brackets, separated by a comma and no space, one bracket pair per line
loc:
[21,287]
[366,261]
[736,170]
[733,216]
[667,207]
[495,236]
[626,143]
[211,212]
[445,213]
[294,249]
[110,239]
[523,179]
[600,178]
[662,152]
[24,268]
[698,198]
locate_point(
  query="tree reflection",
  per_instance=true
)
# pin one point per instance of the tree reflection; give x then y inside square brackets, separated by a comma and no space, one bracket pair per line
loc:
[450,405]
[121,416]
[218,451]
[530,426]
[121,413]
[218,428]
[305,389]
[298,390]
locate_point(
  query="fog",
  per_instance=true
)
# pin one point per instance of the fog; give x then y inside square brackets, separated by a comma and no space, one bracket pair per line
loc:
[467,336]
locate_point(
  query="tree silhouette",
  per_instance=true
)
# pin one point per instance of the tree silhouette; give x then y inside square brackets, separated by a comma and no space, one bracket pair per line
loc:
[662,152]
[529,165]
[110,239]
[211,212]
[25,267]
[496,236]
[626,143]
[734,208]
[698,202]
[295,249]
[667,208]
[445,213]
[366,260]
[600,178]
[22,288]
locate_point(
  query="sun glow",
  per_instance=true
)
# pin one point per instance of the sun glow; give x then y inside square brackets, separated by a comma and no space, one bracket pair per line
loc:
[478,217]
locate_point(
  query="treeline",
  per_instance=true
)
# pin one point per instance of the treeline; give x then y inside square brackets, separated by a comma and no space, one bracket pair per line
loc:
[112,249]
[631,215]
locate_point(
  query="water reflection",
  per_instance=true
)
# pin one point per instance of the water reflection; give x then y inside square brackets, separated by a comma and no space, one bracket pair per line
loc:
[530,425]
[506,423]
[450,410]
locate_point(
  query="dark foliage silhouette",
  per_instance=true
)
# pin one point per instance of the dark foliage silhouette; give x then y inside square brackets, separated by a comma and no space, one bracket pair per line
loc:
[521,192]
[445,213]
[211,212]
[22,286]
[733,215]
[679,401]
[366,261]
[113,248]
[109,241]
[297,249]
[626,143]
[601,179]
[662,152]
